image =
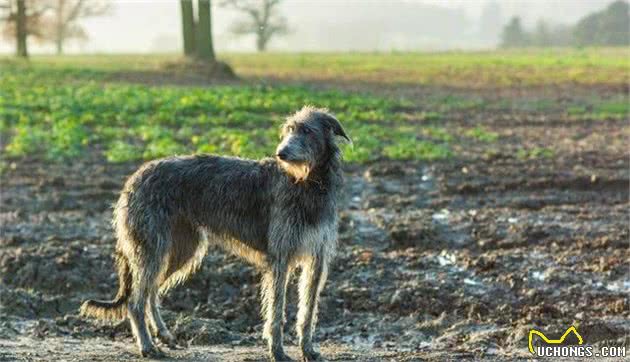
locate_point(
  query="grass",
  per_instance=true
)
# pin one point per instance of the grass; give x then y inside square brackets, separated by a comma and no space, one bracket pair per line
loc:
[534,153]
[61,107]
[453,69]
[597,108]
[481,134]
[59,113]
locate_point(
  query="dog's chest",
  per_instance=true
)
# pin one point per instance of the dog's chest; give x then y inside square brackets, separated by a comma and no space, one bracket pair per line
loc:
[319,239]
[305,219]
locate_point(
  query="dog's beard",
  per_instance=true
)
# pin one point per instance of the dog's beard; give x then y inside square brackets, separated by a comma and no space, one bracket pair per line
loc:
[298,170]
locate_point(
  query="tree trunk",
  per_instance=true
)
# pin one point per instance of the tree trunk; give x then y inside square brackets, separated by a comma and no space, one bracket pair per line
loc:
[20,30]
[59,44]
[261,42]
[205,48]
[60,25]
[188,27]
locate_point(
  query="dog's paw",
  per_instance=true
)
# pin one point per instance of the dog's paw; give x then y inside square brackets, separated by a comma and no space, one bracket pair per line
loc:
[152,352]
[310,355]
[280,356]
[168,340]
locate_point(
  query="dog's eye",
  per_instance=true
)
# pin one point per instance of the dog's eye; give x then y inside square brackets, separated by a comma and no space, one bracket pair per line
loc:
[306,130]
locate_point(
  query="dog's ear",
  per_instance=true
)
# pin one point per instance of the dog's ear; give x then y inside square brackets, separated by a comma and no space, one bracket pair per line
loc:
[333,124]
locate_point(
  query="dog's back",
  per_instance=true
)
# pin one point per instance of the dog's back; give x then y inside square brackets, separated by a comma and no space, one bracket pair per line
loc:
[229,197]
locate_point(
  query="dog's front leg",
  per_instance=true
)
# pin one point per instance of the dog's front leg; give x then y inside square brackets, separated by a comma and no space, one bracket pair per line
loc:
[274,290]
[312,281]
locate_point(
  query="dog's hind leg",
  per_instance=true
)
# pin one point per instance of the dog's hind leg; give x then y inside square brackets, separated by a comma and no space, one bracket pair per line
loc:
[157,323]
[188,248]
[274,284]
[145,277]
[312,279]
[137,313]
[185,255]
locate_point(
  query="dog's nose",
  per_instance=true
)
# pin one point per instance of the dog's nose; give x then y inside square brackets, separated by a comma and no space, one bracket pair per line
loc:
[282,155]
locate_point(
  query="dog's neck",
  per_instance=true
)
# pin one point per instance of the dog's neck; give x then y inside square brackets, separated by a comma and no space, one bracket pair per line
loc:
[326,174]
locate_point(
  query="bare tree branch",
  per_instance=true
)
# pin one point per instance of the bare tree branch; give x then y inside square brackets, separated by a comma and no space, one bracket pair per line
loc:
[263,20]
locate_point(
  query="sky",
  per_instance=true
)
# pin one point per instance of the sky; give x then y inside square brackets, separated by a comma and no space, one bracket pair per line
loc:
[149,26]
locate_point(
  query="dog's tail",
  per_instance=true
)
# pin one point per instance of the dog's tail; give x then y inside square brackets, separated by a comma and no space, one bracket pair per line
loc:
[117,308]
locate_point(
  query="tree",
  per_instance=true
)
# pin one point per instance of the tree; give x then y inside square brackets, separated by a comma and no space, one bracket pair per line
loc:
[22,18]
[615,24]
[52,21]
[607,27]
[197,35]
[513,34]
[561,35]
[65,16]
[585,31]
[490,21]
[205,47]
[263,20]
[20,29]
[198,44]
[188,27]
[542,37]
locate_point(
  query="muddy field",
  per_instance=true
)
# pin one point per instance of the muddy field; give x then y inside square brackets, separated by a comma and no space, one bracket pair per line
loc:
[448,260]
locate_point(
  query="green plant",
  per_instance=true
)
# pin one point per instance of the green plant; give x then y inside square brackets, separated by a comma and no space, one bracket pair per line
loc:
[481,134]
[533,153]
[412,149]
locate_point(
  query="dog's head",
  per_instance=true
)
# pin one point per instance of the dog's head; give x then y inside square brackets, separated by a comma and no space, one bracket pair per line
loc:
[308,140]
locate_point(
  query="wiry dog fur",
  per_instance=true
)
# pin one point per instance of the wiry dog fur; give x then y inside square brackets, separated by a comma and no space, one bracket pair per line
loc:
[277,213]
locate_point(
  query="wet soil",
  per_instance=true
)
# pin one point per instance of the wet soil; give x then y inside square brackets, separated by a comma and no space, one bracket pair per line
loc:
[449,260]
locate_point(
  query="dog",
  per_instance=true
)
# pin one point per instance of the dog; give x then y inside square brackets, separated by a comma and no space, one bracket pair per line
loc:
[277,213]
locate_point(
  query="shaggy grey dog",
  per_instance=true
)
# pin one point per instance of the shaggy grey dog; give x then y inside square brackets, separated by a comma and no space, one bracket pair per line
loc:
[277,213]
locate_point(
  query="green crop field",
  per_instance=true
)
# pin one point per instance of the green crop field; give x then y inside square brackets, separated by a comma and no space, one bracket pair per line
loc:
[60,107]
[60,113]
[457,69]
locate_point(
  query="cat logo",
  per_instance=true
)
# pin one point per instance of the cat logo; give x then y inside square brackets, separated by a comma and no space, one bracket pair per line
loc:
[552,341]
